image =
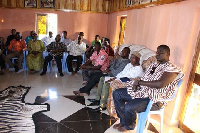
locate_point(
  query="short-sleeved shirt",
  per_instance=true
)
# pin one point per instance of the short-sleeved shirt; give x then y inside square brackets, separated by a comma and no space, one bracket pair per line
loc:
[100,59]
[17,45]
[56,46]
[66,41]
[150,75]
[76,49]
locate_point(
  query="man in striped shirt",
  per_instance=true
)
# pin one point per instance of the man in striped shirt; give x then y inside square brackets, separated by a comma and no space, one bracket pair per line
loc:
[158,82]
[55,50]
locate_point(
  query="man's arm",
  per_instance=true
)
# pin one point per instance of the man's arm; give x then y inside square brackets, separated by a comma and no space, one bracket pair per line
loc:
[166,78]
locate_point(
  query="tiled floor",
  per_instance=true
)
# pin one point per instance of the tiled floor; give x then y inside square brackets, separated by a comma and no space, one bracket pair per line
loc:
[68,113]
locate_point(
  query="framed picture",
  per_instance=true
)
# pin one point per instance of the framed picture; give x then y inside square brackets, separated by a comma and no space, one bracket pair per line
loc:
[30,3]
[47,3]
[145,1]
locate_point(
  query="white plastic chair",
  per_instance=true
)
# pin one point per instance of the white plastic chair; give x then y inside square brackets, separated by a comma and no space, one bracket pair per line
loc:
[143,116]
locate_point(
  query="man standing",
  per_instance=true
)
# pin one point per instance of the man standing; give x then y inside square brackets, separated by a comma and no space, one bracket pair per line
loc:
[55,50]
[157,82]
[15,49]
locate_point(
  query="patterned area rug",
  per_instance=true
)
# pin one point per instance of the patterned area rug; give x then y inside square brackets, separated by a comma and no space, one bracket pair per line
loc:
[15,114]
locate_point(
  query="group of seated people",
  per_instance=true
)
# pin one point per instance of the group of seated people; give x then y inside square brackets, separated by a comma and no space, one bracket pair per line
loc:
[35,60]
[132,87]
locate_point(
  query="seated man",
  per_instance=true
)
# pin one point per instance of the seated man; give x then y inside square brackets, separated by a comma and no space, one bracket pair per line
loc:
[75,49]
[131,70]
[101,63]
[157,82]
[55,50]
[15,49]
[98,63]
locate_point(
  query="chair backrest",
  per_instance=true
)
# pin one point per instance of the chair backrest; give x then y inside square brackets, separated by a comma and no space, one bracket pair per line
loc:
[177,87]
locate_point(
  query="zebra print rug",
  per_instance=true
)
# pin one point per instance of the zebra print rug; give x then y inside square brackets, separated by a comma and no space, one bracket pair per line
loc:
[15,114]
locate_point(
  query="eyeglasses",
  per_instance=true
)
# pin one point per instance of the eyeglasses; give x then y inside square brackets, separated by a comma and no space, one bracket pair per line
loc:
[153,70]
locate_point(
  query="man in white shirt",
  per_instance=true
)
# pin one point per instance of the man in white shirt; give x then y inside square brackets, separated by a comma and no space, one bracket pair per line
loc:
[64,38]
[48,39]
[75,49]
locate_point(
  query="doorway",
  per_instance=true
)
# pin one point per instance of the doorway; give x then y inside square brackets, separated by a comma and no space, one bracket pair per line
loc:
[190,115]
[122,30]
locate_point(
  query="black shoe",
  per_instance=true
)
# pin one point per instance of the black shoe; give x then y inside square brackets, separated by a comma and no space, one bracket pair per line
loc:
[93,100]
[99,109]
[43,73]
[61,74]
[16,68]
[96,103]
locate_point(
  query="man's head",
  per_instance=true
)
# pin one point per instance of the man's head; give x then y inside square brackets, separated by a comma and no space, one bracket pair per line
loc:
[97,38]
[97,46]
[125,53]
[50,34]
[17,36]
[31,33]
[58,37]
[135,58]
[64,34]
[162,53]
[34,36]
[13,31]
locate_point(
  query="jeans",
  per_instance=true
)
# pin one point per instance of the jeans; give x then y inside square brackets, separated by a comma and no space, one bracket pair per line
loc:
[70,59]
[127,108]
[95,77]
[58,62]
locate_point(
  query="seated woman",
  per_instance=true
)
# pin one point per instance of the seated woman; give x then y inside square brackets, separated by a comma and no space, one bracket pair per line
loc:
[34,59]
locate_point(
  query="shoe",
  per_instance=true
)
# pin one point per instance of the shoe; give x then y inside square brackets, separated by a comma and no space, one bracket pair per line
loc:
[77,93]
[95,103]
[16,68]
[116,126]
[61,74]
[99,109]
[92,100]
[43,73]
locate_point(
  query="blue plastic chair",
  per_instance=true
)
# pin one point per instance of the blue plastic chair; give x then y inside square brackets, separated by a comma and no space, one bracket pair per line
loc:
[143,116]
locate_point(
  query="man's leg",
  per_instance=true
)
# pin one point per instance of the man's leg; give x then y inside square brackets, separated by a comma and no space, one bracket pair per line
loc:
[69,63]
[120,97]
[7,59]
[58,62]
[79,62]
[85,74]
[2,62]
[100,87]
[133,107]
[46,61]
[104,95]
[91,83]
[20,60]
